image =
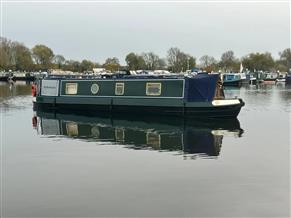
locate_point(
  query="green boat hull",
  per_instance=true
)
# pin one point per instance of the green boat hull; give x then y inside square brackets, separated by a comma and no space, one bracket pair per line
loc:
[189,109]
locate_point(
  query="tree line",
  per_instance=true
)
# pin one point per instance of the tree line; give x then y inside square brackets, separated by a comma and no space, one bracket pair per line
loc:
[16,56]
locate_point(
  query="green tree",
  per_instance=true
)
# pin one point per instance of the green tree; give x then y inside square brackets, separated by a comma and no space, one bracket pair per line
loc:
[285,58]
[259,61]
[281,66]
[72,65]
[43,56]
[14,55]
[22,57]
[86,65]
[6,61]
[112,64]
[191,62]
[76,66]
[141,62]
[135,61]
[59,60]
[132,61]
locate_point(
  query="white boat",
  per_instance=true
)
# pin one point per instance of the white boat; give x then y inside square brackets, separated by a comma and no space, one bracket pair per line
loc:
[281,78]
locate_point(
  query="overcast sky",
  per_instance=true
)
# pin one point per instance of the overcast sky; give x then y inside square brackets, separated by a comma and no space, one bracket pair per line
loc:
[96,31]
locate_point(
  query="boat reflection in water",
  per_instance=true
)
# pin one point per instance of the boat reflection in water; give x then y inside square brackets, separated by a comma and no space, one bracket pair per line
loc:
[187,137]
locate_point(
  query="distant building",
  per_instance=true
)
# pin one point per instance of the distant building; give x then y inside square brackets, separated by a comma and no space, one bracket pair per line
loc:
[98,70]
[162,72]
[60,72]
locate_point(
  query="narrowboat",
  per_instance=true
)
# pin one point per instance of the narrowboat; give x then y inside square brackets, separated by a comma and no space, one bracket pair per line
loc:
[270,78]
[252,80]
[186,136]
[232,79]
[23,77]
[281,78]
[199,95]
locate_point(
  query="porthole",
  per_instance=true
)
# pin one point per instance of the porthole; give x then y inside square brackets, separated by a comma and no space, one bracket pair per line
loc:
[94,88]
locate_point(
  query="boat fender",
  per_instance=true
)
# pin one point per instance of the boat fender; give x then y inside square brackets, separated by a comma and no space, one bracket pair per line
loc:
[34,121]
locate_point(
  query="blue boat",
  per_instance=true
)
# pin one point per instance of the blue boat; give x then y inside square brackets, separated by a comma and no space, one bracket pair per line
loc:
[232,79]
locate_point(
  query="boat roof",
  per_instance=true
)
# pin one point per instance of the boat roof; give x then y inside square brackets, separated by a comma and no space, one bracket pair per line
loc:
[116,77]
[126,76]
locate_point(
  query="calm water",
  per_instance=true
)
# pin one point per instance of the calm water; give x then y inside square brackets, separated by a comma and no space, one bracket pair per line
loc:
[64,165]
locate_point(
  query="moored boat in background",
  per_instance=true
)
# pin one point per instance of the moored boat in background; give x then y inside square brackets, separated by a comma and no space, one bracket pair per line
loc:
[252,79]
[23,76]
[270,78]
[281,78]
[288,78]
[232,79]
[244,79]
[4,76]
[17,76]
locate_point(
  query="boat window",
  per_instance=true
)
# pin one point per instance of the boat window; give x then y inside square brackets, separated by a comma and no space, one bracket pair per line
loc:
[95,132]
[72,129]
[94,88]
[119,135]
[119,88]
[153,88]
[71,88]
[154,140]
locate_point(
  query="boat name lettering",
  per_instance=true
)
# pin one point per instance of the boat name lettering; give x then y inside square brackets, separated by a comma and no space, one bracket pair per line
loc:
[49,87]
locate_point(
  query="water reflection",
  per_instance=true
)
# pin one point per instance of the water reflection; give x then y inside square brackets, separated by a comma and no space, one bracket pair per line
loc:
[190,138]
[10,89]
[15,95]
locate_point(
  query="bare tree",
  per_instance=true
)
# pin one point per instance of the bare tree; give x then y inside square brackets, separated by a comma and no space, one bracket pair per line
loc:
[228,61]
[207,62]
[151,60]
[179,61]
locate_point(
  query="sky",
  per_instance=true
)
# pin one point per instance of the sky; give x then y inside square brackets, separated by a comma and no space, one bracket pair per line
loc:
[98,30]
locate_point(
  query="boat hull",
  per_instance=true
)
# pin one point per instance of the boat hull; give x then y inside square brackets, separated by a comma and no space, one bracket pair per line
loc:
[237,83]
[269,81]
[188,110]
[253,82]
